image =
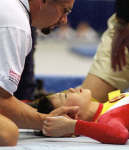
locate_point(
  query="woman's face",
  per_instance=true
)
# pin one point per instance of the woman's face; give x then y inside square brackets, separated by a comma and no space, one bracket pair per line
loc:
[73,97]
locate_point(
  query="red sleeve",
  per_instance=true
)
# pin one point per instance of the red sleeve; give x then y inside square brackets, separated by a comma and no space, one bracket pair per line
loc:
[113,132]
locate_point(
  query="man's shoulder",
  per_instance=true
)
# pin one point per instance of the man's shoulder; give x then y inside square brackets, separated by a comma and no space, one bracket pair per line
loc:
[13,15]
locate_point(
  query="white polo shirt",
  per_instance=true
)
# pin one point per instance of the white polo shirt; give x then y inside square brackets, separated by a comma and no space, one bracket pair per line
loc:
[15,42]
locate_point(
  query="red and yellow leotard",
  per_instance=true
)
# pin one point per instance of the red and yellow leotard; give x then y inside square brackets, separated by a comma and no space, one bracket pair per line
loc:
[110,125]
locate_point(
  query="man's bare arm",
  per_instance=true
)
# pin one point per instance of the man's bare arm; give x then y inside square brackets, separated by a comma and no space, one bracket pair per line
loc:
[98,87]
[22,114]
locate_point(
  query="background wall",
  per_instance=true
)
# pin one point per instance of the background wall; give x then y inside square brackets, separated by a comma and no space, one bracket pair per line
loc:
[95,12]
[55,63]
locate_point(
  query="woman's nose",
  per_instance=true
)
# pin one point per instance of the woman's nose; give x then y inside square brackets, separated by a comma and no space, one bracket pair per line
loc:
[71,90]
[78,89]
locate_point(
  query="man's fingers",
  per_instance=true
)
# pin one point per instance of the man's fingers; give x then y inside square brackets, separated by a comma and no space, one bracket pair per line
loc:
[123,59]
[118,44]
[119,62]
[45,130]
[118,58]
[120,41]
[64,110]
[72,109]
[48,120]
[113,61]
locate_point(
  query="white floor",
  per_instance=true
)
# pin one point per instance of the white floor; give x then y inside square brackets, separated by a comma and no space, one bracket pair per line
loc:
[28,141]
[55,58]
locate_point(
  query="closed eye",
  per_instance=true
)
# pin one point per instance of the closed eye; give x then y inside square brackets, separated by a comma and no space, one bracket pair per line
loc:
[65,96]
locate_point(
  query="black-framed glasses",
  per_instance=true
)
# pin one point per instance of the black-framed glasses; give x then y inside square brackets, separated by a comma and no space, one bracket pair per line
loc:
[67,11]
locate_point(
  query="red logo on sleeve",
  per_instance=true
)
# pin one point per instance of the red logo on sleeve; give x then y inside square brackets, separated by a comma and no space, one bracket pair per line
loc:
[14,77]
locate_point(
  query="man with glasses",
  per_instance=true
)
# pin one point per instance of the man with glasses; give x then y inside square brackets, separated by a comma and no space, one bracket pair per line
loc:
[15,44]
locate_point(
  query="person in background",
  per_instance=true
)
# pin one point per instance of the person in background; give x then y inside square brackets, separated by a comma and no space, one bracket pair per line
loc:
[86,33]
[110,67]
[63,33]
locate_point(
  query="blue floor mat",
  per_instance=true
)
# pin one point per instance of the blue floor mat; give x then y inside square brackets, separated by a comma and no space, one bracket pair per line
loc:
[85,50]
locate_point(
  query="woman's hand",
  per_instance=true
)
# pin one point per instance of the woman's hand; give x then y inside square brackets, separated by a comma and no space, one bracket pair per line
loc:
[58,126]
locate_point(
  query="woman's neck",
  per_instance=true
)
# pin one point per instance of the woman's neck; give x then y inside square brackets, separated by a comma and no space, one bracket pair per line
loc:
[92,109]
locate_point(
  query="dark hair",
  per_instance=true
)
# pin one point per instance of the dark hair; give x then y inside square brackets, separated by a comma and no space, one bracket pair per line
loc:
[45,106]
[46,30]
[42,101]
[44,1]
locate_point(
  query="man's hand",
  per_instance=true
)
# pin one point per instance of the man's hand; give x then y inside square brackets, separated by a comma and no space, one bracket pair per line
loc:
[73,110]
[120,41]
[58,126]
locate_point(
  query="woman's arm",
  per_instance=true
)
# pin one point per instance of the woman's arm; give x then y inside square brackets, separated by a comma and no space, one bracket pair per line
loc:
[112,132]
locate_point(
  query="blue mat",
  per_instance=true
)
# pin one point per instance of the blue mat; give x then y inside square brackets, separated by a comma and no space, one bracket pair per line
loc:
[85,50]
[53,83]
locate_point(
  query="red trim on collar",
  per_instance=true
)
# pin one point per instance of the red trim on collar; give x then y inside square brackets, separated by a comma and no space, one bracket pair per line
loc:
[98,112]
